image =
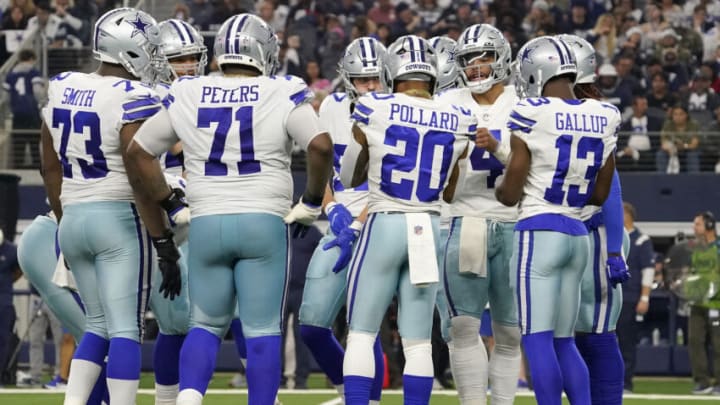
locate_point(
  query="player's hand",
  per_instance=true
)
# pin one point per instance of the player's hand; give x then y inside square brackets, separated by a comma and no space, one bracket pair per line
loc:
[338,216]
[168,256]
[344,241]
[304,215]
[617,270]
[176,207]
[642,307]
[485,140]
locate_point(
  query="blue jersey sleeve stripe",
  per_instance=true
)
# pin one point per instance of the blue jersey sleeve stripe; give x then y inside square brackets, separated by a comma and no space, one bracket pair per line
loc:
[168,100]
[513,126]
[517,117]
[142,114]
[143,102]
[301,96]
[472,128]
[359,118]
[363,109]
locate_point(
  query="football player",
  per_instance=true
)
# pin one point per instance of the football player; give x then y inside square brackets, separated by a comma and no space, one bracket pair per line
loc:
[324,293]
[407,146]
[561,159]
[477,256]
[237,131]
[88,123]
[600,294]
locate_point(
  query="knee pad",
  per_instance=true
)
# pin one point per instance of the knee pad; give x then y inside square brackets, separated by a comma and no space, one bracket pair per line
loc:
[359,358]
[418,357]
[507,336]
[465,331]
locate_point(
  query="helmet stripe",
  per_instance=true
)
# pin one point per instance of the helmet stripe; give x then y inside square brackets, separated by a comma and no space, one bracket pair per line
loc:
[559,51]
[182,37]
[191,37]
[411,44]
[239,28]
[228,34]
[570,54]
[363,52]
[371,45]
[476,35]
[422,49]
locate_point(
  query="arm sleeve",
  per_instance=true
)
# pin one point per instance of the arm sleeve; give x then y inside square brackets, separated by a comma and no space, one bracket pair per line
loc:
[303,125]
[612,212]
[156,135]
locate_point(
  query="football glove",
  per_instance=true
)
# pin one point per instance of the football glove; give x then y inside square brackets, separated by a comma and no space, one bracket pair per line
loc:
[345,242]
[168,256]
[176,208]
[617,270]
[338,216]
[304,215]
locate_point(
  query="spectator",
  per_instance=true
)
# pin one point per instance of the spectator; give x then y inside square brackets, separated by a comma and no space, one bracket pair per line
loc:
[604,38]
[383,34]
[406,21]
[201,14]
[9,274]
[576,22]
[654,22]
[609,86]
[539,18]
[382,13]
[638,138]
[182,13]
[679,143]
[26,88]
[429,11]
[691,41]
[333,48]
[42,318]
[267,10]
[636,292]
[289,58]
[47,23]
[700,21]
[702,100]
[28,6]
[15,19]
[659,95]
[670,10]
[625,68]
[73,30]
[363,27]
[314,79]
[711,142]
[704,323]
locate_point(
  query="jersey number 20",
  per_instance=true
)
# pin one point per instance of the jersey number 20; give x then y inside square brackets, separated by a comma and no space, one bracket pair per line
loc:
[408,162]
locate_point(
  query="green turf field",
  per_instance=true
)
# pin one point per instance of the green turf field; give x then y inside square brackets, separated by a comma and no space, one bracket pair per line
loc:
[656,391]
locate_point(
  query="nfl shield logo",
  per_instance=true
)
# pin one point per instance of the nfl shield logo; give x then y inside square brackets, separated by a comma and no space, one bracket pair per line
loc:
[418,230]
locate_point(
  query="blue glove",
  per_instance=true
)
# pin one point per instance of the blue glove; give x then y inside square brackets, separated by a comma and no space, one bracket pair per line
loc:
[338,216]
[344,241]
[617,270]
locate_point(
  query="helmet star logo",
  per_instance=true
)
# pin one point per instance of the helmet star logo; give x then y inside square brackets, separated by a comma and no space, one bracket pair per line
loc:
[526,55]
[139,26]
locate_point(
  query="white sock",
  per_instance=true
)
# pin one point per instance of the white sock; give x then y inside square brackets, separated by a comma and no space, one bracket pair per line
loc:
[189,396]
[243,362]
[371,402]
[418,358]
[122,392]
[83,375]
[166,394]
[505,364]
[340,389]
[469,361]
[359,358]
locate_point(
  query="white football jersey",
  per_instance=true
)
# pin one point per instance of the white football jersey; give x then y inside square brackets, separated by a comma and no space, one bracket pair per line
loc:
[169,162]
[476,196]
[413,145]
[235,141]
[569,141]
[85,113]
[335,118]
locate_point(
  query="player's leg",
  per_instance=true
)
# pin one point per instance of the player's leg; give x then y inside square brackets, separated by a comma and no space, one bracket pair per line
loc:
[264,262]
[535,281]
[89,358]
[372,284]
[212,304]
[37,254]
[466,295]
[124,264]
[323,296]
[595,337]
[415,315]
[506,356]
[574,371]
[173,318]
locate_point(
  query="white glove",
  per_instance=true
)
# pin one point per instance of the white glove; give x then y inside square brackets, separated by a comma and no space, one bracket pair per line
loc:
[180,217]
[303,214]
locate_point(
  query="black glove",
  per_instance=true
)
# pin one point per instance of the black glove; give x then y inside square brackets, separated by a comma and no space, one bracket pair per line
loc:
[174,205]
[168,257]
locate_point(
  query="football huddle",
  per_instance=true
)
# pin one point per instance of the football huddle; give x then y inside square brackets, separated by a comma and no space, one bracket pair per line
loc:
[445,187]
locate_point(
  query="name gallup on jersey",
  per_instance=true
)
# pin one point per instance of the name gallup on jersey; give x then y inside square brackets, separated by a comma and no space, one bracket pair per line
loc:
[595,124]
[419,116]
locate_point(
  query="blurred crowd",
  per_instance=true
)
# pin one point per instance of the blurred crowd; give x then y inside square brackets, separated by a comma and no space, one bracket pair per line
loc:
[659,62]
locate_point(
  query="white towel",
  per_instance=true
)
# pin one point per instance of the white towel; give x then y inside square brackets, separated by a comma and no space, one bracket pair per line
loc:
[62,276]
[422,257]
[473,246]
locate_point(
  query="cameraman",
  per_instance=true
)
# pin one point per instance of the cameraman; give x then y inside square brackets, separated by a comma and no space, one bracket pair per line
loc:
[704,321]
